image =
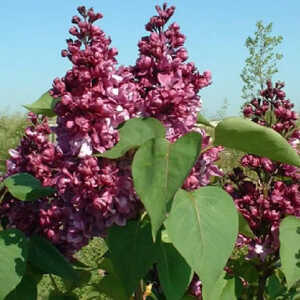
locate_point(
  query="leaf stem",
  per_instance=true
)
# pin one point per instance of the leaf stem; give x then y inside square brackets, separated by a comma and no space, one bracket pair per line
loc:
[139,293]
[4,194]
[262,281]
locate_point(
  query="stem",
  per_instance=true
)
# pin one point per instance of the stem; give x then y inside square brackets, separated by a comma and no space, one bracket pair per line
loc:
[261,287]
[139,293]
[3,195]
[262,282]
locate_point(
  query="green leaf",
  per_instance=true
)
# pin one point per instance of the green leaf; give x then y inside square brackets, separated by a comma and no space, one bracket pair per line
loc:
[289,236]
[25,187]
[174,273]
[132,252]
[44,105]
[92,294]
[79,264]
[26,289]
[246,269]
[84,277]
[134,133]
[13,258]
[228,292]
[224,289]
[274,287]
[44,256]
[159,170]
[202,120]
[218,288]
[189,297]
[244,227]
[111,285]
[247,136]
[203,226]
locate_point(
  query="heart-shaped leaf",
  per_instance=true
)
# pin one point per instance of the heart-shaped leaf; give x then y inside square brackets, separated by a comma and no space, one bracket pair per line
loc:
[134,133]
[203,226]
[135,241]
[159,169]
[174,273]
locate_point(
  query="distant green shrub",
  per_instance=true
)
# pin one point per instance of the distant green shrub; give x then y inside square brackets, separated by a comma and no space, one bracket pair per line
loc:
[12,128]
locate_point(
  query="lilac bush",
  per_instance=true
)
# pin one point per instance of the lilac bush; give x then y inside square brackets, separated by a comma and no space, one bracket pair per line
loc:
[169,231]
[96,97]
[263,190]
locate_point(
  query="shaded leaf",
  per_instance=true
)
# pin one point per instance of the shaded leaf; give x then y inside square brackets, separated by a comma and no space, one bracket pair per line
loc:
[134,133]
[274,287]
[44,105]
[111,285]
[25,187]
[244,227]
[247,136]
[132,252]
[245,268]
[159,170]
[79,264]
[174,273]
[55,295]
[189,297]
[26,289]
[13,258]
[84,277]
[203,226]
[43,255]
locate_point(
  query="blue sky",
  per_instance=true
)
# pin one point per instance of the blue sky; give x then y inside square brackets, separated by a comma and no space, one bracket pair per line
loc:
[34,32]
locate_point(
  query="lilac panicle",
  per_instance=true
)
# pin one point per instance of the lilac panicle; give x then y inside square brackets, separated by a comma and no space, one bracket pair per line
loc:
[276,192]
[95,97]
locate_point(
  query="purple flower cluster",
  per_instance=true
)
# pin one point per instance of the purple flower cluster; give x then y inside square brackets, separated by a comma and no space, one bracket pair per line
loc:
[196,287]
[95,97]
[168,84]
[36,154]
[204,168]
[270,190]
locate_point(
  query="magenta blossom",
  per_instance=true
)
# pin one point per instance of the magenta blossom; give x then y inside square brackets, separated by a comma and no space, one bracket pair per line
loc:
[94,98]
[275,193]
